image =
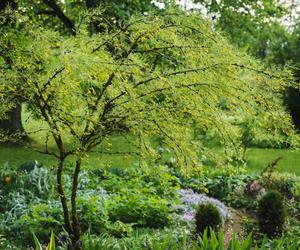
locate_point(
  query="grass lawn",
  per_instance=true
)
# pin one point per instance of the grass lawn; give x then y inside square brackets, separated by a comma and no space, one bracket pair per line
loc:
[257,158]
[15,156]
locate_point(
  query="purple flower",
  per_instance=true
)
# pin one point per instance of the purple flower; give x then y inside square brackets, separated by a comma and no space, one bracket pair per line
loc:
[190,200]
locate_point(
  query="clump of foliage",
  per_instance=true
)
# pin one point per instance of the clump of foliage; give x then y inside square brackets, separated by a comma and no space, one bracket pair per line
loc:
[178,239]
[111,201]
[225,184]
[285,183]
[120,229]
[271,214]
[207,216]
[147,198]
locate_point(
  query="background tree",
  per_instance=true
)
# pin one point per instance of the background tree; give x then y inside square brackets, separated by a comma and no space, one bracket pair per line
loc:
[11,123]
[159,76]
[285,50]
[250,24]
[267,29]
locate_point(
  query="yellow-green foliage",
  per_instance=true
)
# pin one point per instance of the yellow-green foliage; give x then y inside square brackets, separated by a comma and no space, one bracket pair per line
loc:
[51,245]
[157,76]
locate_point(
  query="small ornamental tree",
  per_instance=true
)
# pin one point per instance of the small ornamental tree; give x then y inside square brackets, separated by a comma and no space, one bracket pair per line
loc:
[271,214]
[157,76]
[207,217]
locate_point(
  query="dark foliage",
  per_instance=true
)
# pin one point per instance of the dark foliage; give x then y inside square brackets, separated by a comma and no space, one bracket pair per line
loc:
[207,216]
[271,214]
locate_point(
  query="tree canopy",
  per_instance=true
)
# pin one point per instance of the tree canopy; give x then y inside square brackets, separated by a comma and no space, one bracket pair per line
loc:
[64,16]
[268,29]
[179,74]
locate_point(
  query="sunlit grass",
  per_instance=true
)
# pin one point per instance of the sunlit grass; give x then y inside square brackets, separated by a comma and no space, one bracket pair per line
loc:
[16,155]
[259,158]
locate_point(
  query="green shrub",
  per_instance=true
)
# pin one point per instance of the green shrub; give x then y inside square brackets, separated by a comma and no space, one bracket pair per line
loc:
[141,209]
[271,214]
[93,212]
[141,197]
[120,229]
[224,186]
[40,219]
[207,216]
[29,166]
[282,182]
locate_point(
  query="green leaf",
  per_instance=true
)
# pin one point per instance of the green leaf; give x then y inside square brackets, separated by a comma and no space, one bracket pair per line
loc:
[37,243]
[51,245]
[246,245]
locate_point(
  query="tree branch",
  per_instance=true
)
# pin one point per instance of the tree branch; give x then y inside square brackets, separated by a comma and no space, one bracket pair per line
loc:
[60,14]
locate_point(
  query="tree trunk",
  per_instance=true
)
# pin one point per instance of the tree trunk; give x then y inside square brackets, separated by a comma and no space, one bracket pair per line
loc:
[72,226]
[62,195]
[75,221]
[12,125]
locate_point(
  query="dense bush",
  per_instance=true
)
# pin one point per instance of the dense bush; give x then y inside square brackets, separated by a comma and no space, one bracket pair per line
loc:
[271,214]
[93,211]
[144,210]
[190,201]
[41,218]
[207,216]
[223,186]
[143,197]
[283,182]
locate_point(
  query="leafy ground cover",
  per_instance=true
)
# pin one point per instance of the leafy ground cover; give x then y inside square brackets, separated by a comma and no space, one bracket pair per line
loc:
[136,207]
